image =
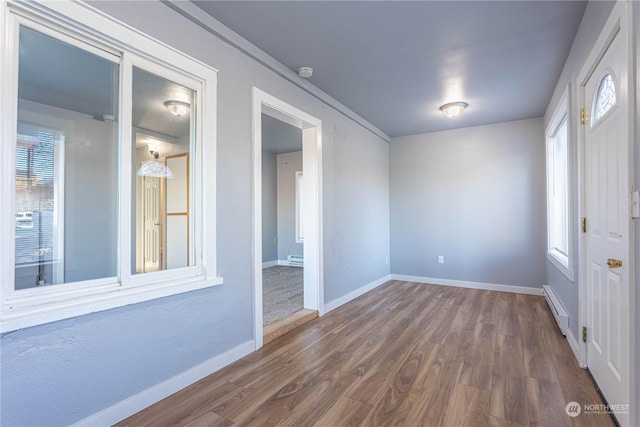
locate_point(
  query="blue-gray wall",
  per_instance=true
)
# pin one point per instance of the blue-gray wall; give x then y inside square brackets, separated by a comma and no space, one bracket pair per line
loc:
[63,372]
[356,200]
[269,207]
[636,172]
[475,196]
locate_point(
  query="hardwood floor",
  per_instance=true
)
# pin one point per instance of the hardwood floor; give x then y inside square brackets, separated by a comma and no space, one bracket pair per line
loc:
[403,354]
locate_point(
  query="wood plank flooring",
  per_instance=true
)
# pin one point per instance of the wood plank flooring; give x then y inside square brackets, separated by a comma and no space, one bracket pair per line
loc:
[403,354]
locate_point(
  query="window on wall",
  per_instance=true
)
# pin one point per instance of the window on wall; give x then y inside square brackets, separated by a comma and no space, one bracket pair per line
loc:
[39,198]
[299,215]
[559,248]
[64,162]
[103,201]
[606,98]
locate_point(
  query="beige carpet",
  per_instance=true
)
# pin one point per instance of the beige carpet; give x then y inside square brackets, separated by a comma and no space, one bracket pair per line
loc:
[282,292]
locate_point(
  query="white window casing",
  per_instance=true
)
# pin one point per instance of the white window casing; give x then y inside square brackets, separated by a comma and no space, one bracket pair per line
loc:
[559,218]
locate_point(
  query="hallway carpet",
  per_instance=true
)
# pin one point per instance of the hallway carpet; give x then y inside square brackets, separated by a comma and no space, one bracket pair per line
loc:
[282,292]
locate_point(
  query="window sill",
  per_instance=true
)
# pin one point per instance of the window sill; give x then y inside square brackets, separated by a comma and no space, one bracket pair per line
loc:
[561,262]
[16,316]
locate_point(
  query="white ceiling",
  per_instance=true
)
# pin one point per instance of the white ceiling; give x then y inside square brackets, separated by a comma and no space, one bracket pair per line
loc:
[395,62]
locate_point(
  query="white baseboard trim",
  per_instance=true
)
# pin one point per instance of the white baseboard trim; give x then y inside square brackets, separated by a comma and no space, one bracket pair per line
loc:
[156,393]
[332,305]
[575,347]
[471,285]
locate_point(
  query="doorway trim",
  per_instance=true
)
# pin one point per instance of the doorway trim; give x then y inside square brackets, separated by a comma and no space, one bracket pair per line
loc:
[619,23]
[263,102]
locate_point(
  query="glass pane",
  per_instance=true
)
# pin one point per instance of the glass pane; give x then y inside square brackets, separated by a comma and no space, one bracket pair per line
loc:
[605,98]
[559,199]
[163,215]
[65,165]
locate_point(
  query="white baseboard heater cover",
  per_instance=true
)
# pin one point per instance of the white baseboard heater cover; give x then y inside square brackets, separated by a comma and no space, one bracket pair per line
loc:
[295,260]
[560,314]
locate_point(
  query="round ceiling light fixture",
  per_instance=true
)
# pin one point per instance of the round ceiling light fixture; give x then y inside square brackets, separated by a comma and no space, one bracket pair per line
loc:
[178,108]
[453,109]
[305,72]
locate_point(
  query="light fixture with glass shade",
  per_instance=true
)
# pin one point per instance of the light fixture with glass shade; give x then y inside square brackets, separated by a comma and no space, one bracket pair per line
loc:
[178,108]
[154,168]
[453,109]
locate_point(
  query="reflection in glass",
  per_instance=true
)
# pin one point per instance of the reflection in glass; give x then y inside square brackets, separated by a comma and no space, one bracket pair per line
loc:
[65,163]
[162,123]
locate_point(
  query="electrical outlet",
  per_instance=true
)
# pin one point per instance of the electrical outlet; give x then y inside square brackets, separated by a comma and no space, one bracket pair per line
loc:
[386,260]
[440,259]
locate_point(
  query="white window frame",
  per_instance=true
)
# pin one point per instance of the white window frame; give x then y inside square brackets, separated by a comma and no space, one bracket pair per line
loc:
[562,261]
[82,25]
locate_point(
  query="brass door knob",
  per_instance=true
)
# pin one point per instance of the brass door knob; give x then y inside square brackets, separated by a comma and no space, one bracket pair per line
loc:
[614,263]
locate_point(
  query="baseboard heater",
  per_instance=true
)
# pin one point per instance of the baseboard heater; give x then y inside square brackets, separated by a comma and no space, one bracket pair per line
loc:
[561,316]
[295,260]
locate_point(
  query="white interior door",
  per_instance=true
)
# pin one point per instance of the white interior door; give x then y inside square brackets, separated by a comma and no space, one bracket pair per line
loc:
[152,239]
[607,192]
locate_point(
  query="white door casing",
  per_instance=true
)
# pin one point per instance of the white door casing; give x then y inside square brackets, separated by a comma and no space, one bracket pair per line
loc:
[607,186]
[311,202]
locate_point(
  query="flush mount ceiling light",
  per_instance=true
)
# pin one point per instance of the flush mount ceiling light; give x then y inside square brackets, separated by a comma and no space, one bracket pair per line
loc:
[453,109]
[178,108]
[305,72]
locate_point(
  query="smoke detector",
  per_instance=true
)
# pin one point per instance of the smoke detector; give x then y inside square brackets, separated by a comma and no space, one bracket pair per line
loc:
[305,72]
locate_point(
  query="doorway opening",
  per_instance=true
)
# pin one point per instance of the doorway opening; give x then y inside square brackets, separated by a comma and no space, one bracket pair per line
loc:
[287,222]
[282,228]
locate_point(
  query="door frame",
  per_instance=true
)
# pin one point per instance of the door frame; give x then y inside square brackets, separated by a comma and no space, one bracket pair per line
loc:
[312,166]
[620,21]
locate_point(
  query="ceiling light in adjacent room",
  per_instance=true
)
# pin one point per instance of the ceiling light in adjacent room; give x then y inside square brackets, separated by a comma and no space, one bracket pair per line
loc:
[453,109]
[178,108]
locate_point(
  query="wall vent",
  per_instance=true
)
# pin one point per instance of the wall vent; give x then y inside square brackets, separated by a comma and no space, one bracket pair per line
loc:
[561,316]
[295,260]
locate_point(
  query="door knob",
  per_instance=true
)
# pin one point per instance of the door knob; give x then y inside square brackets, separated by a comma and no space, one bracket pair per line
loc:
[614,263]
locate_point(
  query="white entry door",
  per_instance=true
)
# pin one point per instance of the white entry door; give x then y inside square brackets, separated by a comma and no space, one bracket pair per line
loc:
[607,193]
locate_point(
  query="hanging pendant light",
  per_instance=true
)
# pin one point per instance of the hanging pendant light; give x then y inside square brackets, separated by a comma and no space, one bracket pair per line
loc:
[154,168]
